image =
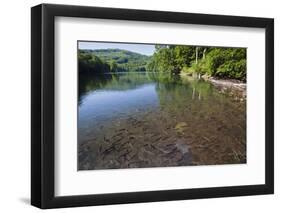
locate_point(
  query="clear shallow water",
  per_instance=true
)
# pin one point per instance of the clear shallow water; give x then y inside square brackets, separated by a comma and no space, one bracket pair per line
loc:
[106,104]
[136,120]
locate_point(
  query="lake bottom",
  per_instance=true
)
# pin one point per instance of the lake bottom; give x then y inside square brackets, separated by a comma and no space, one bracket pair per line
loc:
[186,125]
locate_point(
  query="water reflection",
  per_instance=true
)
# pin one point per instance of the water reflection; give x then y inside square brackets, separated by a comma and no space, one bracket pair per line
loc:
[133,120]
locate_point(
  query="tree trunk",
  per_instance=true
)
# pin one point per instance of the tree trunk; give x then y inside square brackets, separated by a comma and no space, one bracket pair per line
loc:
[204,52]
[196,55]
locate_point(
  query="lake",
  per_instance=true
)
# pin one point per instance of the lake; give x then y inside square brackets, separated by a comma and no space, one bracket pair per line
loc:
[140,120]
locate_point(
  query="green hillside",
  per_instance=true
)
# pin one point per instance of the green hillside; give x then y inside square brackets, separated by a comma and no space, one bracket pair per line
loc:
[118,60]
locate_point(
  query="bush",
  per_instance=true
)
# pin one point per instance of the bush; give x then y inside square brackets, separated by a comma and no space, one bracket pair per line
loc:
[233,69]
[227,63]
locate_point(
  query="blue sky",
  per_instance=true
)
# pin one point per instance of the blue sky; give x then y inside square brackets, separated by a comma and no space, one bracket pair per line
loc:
[145,49]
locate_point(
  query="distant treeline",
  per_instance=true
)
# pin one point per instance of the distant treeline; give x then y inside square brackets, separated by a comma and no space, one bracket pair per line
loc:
[212,61]
[111,60]
[218,62]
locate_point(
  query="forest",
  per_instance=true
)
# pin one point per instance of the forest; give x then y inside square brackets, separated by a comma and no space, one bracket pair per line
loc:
[229,63]
[219,62]
[111,60]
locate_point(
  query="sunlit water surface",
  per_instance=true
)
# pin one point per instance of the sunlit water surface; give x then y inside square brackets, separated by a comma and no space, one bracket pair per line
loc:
[136,120]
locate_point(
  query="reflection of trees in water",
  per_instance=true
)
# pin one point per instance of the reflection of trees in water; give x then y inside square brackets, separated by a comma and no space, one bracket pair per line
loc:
[90,82]
[119,81]
[111,81]
[194,99]
[177,90]
[170,88]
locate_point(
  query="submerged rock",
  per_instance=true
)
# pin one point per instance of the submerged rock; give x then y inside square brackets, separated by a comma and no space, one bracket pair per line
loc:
[180,127]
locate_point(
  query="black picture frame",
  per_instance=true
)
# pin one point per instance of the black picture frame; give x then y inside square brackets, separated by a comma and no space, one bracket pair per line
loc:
[43,102]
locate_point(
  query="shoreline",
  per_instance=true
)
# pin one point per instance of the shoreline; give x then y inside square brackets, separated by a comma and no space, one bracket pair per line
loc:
[226,85]
[232,87]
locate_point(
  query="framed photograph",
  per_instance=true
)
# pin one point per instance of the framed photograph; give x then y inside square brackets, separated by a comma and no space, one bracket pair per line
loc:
[139,106]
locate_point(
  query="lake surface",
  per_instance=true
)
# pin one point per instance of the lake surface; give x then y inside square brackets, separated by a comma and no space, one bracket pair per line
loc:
[138,120]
